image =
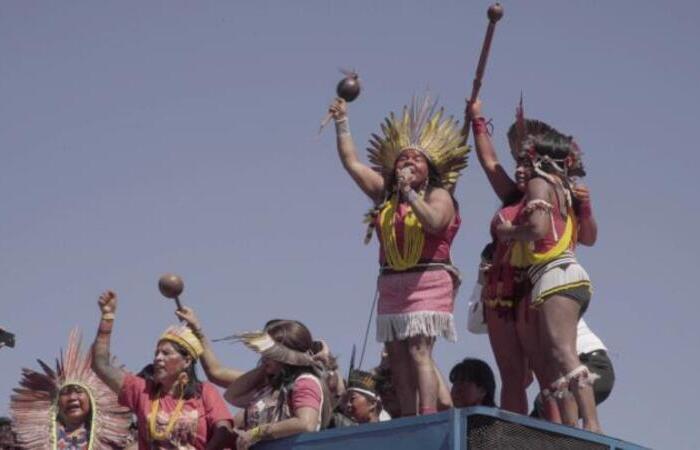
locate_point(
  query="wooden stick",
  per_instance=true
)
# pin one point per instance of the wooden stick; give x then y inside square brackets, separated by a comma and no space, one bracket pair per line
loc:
[494,13]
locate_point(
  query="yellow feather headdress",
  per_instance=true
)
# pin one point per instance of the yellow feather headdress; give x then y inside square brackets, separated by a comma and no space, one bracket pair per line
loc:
[34,405]
[183,336]
[423,127]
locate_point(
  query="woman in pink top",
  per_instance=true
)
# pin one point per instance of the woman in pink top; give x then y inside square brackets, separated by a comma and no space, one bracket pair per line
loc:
[285,394]
[174,410]
[416,161]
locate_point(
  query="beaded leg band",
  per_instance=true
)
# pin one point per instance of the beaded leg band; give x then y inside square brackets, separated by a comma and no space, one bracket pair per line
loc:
[581,377]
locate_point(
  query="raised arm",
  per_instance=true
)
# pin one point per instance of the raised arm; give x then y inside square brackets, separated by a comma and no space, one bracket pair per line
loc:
[371,182]
[502,184]
[110,375]
[216,373]
[245,385]
[587,226]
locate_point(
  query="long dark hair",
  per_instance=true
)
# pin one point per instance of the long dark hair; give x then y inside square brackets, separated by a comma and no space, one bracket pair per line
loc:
[296,336]
[193,388]
[479,373]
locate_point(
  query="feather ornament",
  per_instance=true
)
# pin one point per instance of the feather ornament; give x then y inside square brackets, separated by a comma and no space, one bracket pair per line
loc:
[34,409]
[424,127]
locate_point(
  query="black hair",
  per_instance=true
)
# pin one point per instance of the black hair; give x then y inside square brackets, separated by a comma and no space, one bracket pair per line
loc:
[487,252]
[193,388]
[479,373]
[553,144]
[434,179]
[296,336]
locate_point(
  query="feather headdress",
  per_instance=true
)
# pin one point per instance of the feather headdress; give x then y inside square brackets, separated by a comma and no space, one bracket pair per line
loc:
[261,342]
[421,127]
[34,405]
[524,133]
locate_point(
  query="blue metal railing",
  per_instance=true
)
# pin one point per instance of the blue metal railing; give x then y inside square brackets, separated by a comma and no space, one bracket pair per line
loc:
[448,430]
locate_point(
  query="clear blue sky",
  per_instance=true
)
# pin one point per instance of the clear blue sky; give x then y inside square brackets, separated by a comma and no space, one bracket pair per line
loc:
[143,137]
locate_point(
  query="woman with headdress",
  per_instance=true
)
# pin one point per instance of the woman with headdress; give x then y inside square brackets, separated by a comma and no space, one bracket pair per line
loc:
[538,234]
[286,394]
[69,407]
[504,287]
[173,408]
[416,161]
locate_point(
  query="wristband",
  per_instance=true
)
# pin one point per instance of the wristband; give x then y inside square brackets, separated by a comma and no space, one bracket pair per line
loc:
[342,127]
[105,327]
[197,332]
[256,434]
[479,126]
[108,316]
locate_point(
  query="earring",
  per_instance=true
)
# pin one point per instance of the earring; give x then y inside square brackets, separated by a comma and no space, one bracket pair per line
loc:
[183,379]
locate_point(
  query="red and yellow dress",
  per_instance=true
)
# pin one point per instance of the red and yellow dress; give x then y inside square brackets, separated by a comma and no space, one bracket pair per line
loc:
[505,285]
[417,284]
[551,262]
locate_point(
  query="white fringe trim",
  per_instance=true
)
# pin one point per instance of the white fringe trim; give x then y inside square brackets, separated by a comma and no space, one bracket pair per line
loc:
[397,327]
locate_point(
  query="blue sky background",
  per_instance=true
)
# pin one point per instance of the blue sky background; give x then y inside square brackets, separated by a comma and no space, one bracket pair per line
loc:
[138,138]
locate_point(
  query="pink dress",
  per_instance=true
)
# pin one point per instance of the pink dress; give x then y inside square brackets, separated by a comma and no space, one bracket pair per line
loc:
[193,428]
[418,302]
[265,408]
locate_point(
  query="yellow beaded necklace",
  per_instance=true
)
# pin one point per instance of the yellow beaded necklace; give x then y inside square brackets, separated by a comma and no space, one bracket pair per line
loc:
[153,418]
[413,237]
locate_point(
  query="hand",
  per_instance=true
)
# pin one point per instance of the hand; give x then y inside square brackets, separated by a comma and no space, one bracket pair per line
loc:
[581,192]
[504,230]
[324,354]
[244,440]
[187,314]
[338,109]
[404,178]
[108,302]
[474,108]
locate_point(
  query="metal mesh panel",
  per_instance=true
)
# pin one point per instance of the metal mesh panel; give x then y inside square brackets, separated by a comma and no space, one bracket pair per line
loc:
[491,433]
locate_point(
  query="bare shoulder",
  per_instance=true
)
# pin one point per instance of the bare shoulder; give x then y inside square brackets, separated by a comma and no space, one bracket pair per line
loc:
[438,194]
[538,188]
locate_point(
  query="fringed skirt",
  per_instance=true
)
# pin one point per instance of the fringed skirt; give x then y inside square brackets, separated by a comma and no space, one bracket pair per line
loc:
[415,304]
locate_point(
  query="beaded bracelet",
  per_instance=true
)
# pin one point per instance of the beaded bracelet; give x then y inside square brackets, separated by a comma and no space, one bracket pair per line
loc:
[479,126]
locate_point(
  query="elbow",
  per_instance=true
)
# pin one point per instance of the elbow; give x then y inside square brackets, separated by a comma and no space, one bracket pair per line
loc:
[308,427]
[588,241]
[96,364]
[434,230]
[436,226]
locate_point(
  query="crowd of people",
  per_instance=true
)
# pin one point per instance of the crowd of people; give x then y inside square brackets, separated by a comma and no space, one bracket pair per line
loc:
[530,296]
